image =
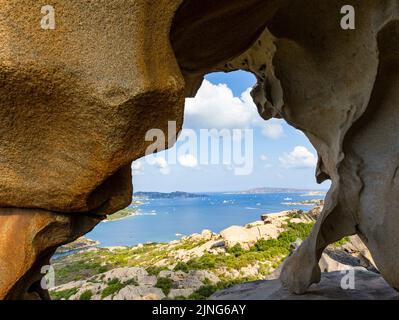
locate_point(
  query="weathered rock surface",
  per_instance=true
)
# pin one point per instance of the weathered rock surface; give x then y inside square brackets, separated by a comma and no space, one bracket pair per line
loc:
[28,239]
[75,105]
[269,228]
[135,283]
[340,87]
[194,279]
[78,100]
[368,286]
[217,268]
[138,293]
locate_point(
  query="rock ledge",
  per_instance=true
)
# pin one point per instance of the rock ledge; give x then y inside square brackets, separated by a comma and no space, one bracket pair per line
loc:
[368,286]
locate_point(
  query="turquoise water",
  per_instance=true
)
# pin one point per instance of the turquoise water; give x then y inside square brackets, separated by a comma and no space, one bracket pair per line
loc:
[163,220]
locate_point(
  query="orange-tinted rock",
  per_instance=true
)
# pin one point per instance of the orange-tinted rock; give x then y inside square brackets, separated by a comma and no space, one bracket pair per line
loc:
[28,238]
[77,101]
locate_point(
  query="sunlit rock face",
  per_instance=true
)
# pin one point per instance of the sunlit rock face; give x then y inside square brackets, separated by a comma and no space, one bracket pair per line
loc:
[28,238]
[340,87]
[75,105]
[77,101]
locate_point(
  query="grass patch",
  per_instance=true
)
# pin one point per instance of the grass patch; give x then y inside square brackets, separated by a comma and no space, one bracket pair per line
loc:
[79,270]
[113,286]
[182,266]
[131,282]
[188,245]
[341,242]
[273,250]
[165,284]
[154,271]
[63,294]
[206,291]
[237,250]
[86,295]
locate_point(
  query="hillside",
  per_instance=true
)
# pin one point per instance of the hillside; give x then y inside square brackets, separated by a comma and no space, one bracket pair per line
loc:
[194,267]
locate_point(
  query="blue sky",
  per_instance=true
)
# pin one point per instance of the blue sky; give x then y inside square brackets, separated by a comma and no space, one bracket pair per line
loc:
[281,156]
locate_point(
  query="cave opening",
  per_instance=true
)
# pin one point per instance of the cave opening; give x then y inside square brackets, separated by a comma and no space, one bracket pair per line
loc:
[224,149]
[228,168]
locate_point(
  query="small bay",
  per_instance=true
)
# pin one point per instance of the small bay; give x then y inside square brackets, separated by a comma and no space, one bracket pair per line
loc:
[167,219]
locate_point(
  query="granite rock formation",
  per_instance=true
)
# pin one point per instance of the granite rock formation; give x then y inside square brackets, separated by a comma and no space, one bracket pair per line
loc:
[77,101]
[369,286]
[28,239]
[75,105]
[337,86]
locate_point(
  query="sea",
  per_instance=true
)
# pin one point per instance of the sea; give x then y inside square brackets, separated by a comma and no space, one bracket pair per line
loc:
[164,220]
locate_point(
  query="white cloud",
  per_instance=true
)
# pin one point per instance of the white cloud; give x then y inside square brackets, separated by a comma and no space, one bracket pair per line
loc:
[137,168]
[264,157]
[160,163]
[215,107]
[298,158]
[188,160]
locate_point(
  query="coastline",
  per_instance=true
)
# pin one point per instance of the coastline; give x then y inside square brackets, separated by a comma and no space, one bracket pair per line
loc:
[186,266]
[122,214]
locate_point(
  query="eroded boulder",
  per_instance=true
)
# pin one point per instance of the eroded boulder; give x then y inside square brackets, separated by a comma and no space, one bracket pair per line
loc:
[75,105]
[368,286]
[28,239]
[339,87]
[77,101]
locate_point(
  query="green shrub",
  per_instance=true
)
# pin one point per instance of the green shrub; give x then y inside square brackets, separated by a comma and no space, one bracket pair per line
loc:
[63,294]
[237,250]
[114,286]
[181,266]
[206,291]
[273,250]
[86,295]
[154,271]
[131,282]
[165,284]
[341,242]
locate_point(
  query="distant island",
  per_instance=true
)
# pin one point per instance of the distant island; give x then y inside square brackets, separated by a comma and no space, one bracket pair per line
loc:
[314,202]
[281,190]
[167,195]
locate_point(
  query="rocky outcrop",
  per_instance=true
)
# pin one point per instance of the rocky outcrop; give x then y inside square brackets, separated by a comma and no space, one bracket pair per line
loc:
[136,284]
[269,228]
[340,88]
[197,265]
[28,239]
[368,286]
[75,105]
[138,293]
